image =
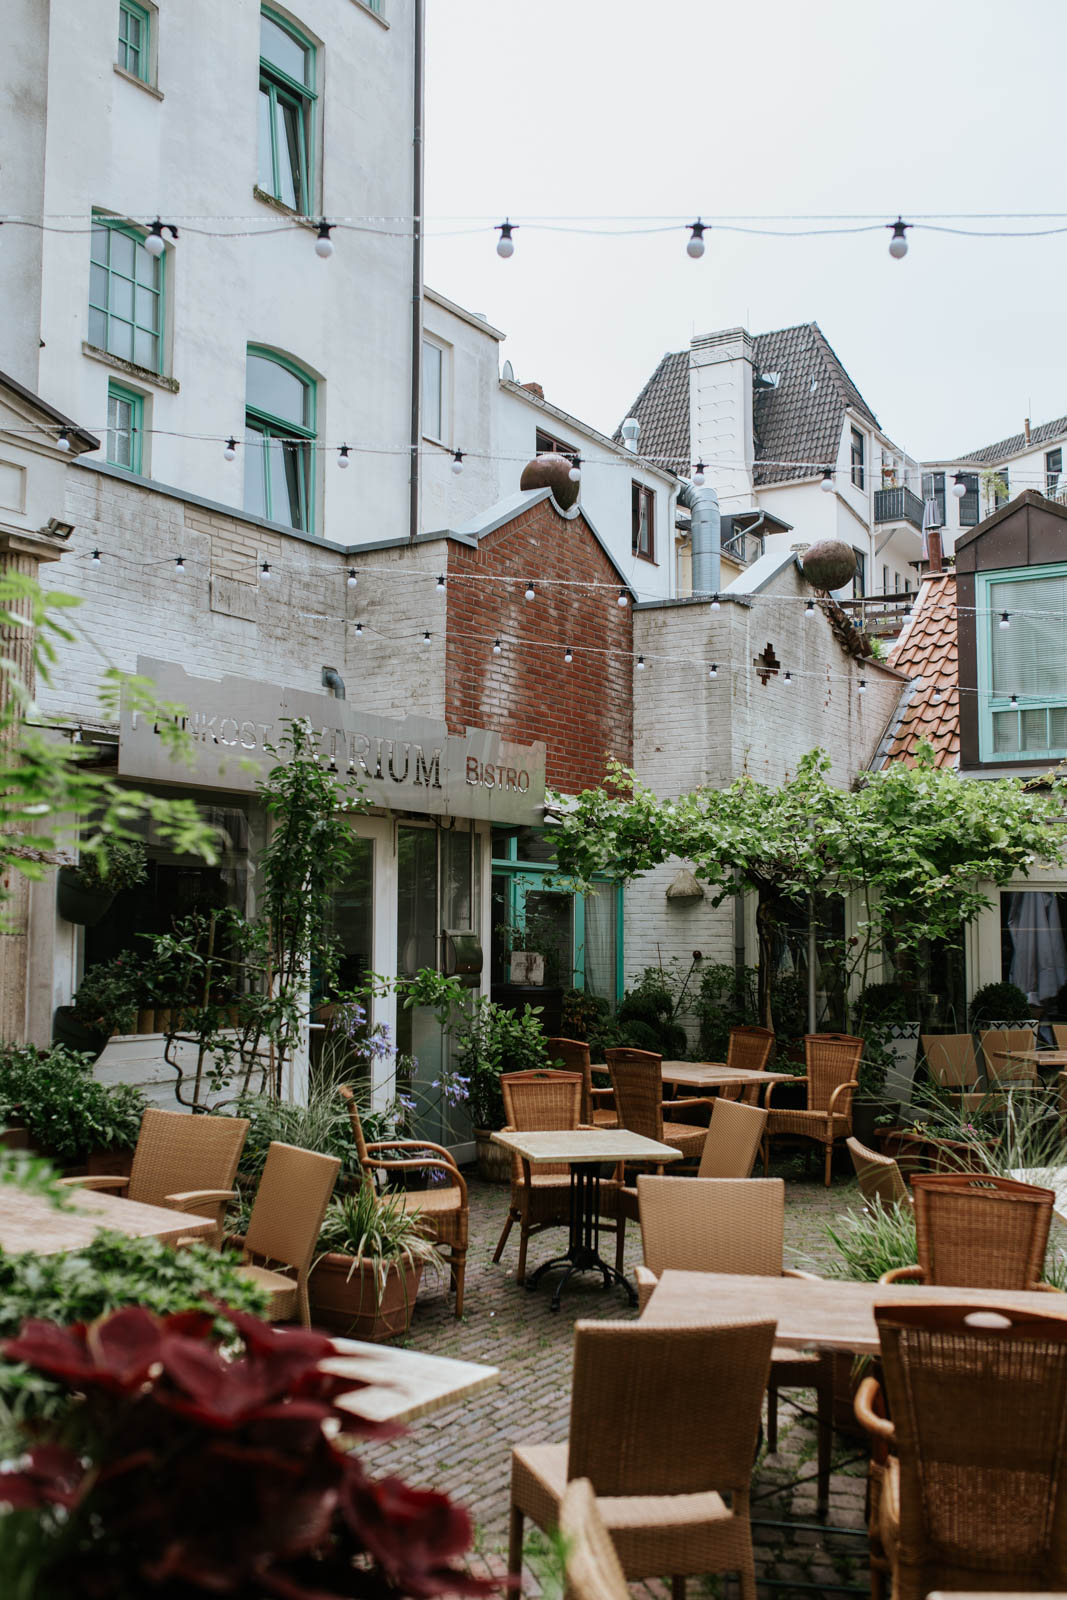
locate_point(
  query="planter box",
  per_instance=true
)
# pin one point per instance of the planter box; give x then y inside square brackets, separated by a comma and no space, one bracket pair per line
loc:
[343,1296]
[78,904]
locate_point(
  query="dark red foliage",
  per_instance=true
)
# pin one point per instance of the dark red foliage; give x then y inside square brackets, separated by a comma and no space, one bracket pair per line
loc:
[196,1474]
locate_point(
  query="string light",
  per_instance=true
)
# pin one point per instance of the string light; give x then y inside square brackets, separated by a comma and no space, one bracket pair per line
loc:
[439,586]
[264,570]
[1005,620]
[715,603]
[95,558]
[230,452]
[179,566]
[640,663]
[457,462]
[575,473]
[862,686]
[353,578]
[155,244]
[698,475]
[568,655]
[323,242]
[1015,700]
[809,610]
[827,484]
[63,442]
[359,630]
[531,592]
[695,244]
[497,647]
[343,456]
[713,670]
[624,598]
[505,245]
[959,485]
[426,637]
[936,696]
[788,678]
[898,244]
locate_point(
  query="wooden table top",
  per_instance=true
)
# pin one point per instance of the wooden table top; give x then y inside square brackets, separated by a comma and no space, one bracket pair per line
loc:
[32,1222]
[824,1314]
[404,1384]
[586,1144]
[1038,1058]
[716,1075]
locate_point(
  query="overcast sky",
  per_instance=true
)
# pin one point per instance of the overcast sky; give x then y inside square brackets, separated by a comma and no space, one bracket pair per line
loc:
[667,108]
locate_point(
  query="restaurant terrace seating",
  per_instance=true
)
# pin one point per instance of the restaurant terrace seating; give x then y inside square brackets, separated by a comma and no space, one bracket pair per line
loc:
[831,1065]
[999,1072]
[637,1082]
[880,1179]
[953,1067]
[977,1231]
[669,1459]
[284,1227]
[975,1487]
[749,1048]
[734,1225]
[183,1162]
[734,1135]
[444,1209]
[593,1571]
[597,1110]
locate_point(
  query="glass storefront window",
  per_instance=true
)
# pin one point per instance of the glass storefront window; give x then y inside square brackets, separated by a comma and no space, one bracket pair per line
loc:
[1034,949]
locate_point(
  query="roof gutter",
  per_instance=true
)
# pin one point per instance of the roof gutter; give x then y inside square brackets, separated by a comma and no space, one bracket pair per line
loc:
[706,534]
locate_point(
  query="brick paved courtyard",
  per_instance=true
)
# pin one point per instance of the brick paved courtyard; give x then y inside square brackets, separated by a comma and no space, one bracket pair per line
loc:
[465,1449]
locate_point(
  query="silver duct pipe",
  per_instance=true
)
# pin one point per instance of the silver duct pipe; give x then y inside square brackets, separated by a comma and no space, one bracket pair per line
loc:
[706,525]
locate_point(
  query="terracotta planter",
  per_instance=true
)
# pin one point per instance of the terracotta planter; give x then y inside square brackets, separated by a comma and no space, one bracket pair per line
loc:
[494,1162]
[343,1295]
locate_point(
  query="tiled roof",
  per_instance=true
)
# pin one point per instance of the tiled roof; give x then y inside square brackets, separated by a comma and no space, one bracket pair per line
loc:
[990,454]
[927,650]
[798,420]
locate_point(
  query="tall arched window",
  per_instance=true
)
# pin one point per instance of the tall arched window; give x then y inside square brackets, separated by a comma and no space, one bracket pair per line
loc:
[279,434]
[286,111]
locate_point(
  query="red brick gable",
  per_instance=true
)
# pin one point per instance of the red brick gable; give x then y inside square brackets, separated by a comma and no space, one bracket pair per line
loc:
[583,711]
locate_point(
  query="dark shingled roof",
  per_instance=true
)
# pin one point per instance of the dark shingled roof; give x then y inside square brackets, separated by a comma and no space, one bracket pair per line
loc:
[990,454]
[798,421]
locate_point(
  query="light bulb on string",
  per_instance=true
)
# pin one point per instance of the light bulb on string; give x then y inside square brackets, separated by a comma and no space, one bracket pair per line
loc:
[809,610]
[497,647]
[862,686]
[426,637]
[935,698]
[898,244]
[457,462]
[568,655]
[230,452]
[788,678]
[353,578]
[624,598]
[439,586]
[715,602]
[359,630]
[640,664]
[264,570]
[505,245]
[1014,700]
[695,243]
[63,442]
[575,472]
[323,242]
[155,244]
[959,485]
[179,566]
[1005,619]
[531,592]
[698,475]
[827,484]
[94,559]
[343,456]
[713,670]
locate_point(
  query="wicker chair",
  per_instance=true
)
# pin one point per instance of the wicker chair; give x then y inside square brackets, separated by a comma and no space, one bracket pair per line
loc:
[734,1225]
[541,1196]
[975,1492]
[637,1082]
[953,1067]
[574,1053]
[1000,1073]
[977,1231]
[880,1179]
[593,1571]
[832,1061]
[443,1210]
[664,1454]
[1059,1034]
[749,1048]
[188,1163]
[734,1135]
[284,1227]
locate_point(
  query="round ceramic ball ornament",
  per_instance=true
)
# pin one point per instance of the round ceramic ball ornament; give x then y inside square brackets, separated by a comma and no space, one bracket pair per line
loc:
[829,564]
[552,472]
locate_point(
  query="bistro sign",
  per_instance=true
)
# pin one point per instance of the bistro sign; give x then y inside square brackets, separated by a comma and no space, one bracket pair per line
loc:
[409,764]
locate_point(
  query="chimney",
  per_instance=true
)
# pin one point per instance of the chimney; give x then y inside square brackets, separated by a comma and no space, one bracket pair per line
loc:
[721,375]
[1026,429]
[934,552]
[534,388]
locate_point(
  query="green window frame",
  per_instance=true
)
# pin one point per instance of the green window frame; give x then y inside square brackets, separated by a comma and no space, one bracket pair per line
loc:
[523,876]
[127,288]
[287,99]
[279,453]
[135,39]
[1035,727]
[125,427]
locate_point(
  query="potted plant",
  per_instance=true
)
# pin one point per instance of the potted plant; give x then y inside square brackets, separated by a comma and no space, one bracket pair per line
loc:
[1000,1005]
[373,1253]
[107,998]
[487,1041]
[84,893]
[66,1113]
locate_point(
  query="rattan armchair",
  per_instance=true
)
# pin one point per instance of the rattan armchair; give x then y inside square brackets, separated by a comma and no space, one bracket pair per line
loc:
[669,1459]
[977,1231]
[975,1486]
[999,1073]
[597,1109]
[637,1083]
[832,1064]
[734,1225]
[1059,1035]
[749,1048]
[953,1067]
[284,1227]
[880,1179]
[593,1570]
[734,1135]
[541,1197]
[444,1210]
[185,1162]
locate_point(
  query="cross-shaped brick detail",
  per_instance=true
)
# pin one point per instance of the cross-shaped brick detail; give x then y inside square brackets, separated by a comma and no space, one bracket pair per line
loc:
[766,664]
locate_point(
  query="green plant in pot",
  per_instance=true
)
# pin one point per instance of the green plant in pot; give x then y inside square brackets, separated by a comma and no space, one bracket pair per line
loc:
[84,893]
[108,997]
[489,1041]
[373,1255]
[66,1112]
[996,1003]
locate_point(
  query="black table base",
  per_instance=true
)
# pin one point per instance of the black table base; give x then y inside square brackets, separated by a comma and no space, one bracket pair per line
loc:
[583,1252]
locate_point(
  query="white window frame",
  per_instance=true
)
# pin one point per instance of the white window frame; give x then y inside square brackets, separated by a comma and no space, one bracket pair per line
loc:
[445,352]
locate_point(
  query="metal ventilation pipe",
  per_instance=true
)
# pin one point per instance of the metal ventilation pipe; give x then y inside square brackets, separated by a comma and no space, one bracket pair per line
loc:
[630,430]
[706,526]
[332,680]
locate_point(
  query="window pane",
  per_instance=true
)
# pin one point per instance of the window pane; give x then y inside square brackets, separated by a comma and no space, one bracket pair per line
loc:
[255,473]
[119,431]
[1029,657]
[148,268]
[121,297]
[121,252]
[146,349]
[1005,730]
[97,328]
[147,309]
[292,508]
[290,177]
[266,165]
[282,50]
[1057,719]
[98,286]
[98,245]
[1035,730]
[120,338]
[431,390]
[277,483]
[274,389]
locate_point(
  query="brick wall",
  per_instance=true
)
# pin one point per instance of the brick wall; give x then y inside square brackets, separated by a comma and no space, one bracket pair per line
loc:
[582,711]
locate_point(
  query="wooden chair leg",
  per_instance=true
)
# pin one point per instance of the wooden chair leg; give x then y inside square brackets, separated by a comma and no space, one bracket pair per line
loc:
[772,1417]
[459,1272]
[515,1542]
[502,1241]
[829,1159]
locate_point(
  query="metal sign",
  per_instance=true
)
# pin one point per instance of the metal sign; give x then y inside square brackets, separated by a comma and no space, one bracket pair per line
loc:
[409,764]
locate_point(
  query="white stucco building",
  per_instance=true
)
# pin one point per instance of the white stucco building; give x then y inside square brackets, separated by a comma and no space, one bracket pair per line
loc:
[994,474]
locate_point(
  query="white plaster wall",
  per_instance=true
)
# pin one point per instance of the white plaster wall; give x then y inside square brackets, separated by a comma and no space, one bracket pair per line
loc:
[471,422]
[23,105]
[112,144]
[720,412]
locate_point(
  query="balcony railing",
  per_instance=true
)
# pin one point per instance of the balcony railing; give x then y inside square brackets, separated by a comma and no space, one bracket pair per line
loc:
[898,505]
[744,546]
[882,615]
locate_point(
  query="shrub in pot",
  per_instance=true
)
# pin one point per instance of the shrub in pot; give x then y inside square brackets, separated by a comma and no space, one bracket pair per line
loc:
[373,1254]
[999,1003]
[108,997]
[84,893]
[66,1112]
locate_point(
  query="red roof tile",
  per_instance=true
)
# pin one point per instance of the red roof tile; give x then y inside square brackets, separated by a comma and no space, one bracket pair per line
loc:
[927,650]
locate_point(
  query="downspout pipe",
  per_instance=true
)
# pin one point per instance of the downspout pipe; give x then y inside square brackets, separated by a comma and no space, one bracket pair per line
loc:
[416,277]
[706,533]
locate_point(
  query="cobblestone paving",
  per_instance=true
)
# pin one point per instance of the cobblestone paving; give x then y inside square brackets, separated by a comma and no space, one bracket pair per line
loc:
[465,1449]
